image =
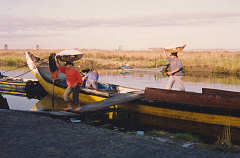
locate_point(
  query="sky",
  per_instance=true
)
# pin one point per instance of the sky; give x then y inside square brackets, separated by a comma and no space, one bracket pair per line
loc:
[125,24]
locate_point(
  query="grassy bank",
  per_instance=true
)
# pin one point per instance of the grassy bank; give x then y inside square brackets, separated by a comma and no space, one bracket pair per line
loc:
[220,61]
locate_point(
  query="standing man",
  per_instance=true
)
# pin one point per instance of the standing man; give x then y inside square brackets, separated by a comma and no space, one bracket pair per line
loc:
[176,71]
[74,80]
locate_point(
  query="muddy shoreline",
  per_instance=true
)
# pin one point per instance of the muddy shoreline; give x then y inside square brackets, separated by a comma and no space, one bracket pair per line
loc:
[29,134]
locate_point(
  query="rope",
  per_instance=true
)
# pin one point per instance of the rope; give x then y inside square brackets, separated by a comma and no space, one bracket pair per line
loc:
[44,59]
[23,73]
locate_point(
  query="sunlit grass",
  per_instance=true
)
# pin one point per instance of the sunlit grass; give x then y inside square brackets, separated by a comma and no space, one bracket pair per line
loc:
[225,62]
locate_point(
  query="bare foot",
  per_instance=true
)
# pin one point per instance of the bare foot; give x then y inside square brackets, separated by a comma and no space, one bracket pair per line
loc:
[68,107]
[78,108]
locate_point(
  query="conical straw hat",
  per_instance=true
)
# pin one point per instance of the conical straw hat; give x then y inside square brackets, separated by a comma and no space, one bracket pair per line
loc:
[175,48]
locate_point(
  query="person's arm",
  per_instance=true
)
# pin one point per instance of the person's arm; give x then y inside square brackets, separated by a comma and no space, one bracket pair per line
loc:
[179,67]
[166,56]
[79,78]
[57,62]
[174,71]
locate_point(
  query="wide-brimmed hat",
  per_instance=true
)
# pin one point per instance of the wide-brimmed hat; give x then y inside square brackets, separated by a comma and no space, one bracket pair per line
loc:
[70,55]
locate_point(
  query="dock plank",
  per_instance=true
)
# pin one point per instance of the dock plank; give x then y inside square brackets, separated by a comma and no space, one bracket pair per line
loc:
[117,99]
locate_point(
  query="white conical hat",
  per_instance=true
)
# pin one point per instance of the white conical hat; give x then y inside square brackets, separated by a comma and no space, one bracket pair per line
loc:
[69,52]
[70,55]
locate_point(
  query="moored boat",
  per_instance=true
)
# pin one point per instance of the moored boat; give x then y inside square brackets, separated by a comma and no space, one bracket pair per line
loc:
[41,71]
[218,108]
[15,86]
[210,98]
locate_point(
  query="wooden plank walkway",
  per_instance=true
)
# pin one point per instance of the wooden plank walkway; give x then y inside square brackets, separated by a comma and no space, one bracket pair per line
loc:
[117,99]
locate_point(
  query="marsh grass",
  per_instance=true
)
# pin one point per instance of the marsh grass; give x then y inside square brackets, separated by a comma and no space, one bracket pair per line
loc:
[222,62]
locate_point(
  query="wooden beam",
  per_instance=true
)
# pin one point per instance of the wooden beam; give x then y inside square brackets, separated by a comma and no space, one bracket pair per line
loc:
[116,99]
[220,92]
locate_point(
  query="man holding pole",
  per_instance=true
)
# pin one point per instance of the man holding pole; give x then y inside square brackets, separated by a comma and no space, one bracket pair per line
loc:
[176,70]
[74,80]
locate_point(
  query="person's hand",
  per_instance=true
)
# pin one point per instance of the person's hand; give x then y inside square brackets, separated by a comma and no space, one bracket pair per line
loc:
[74,85]
[169,73]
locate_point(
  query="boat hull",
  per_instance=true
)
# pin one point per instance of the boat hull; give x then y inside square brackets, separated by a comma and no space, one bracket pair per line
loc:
[205,100]
[58,92]
[86,96]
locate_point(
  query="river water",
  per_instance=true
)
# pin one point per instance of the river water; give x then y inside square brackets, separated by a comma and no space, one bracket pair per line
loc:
[139,80]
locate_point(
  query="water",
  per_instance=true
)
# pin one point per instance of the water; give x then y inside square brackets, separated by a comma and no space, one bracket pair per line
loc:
[141,80]
[19,103]
[125,121]
[138,80]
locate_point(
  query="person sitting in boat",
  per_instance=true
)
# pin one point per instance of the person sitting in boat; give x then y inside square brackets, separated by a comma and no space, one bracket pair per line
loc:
[176,73]
[73,79]
[92,79]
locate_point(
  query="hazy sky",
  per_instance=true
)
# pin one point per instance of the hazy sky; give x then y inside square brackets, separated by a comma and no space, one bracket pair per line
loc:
[131,24]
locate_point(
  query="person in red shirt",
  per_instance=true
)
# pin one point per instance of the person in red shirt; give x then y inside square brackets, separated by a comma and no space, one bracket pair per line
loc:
[73,79]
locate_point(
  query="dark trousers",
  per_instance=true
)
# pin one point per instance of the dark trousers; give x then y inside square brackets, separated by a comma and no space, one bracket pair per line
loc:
[76,94]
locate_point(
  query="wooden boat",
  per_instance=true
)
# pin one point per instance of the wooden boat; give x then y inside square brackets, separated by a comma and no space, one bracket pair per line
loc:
[41,71]
[15,86]
[210,98]
[216,107]
[21,87]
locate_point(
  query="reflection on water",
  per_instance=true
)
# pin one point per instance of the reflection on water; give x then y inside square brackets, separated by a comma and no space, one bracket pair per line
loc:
[140,80]
[19,102]
[158,80]
[46,104]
